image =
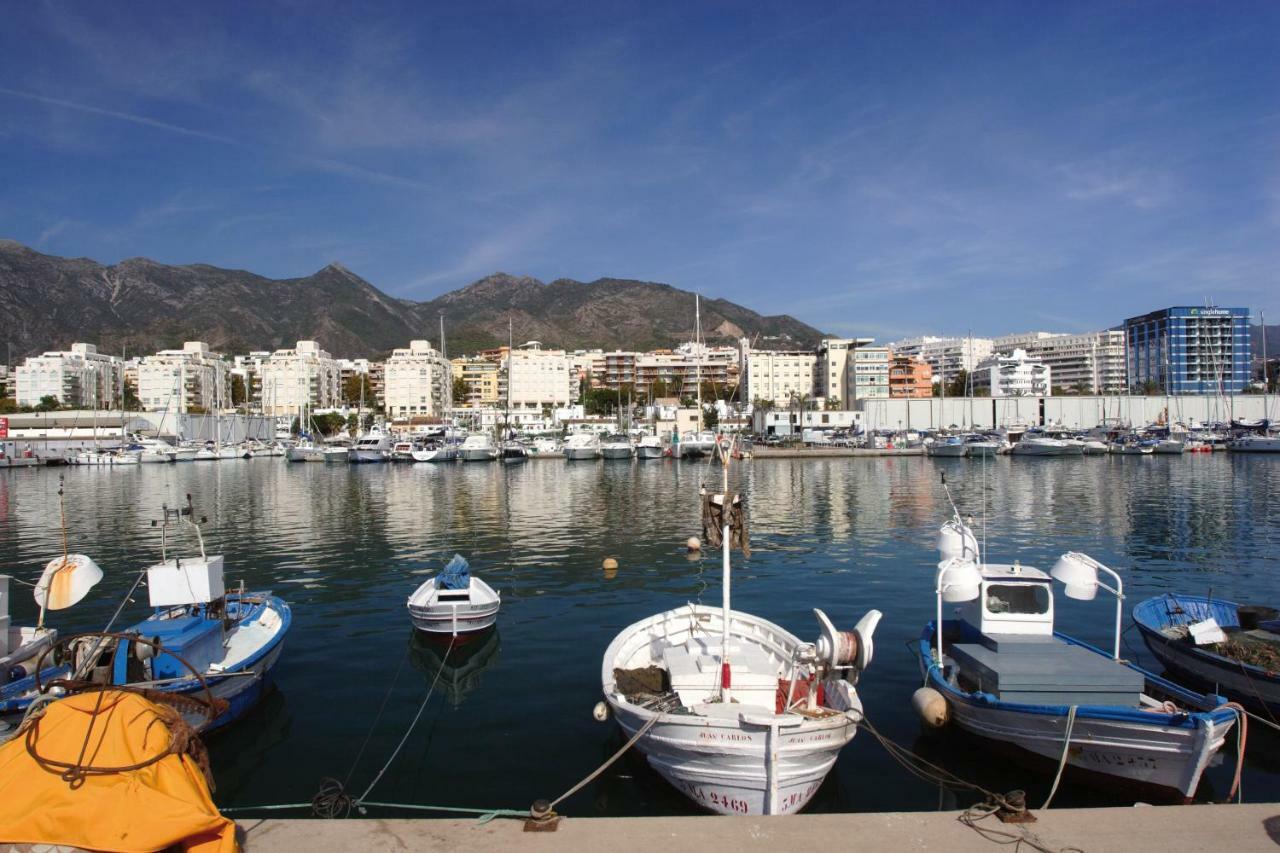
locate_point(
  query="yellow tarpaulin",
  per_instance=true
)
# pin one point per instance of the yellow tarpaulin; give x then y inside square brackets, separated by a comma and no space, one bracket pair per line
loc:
[164,804]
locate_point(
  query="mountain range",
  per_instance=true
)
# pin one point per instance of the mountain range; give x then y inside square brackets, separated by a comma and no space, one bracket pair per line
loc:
[139,306]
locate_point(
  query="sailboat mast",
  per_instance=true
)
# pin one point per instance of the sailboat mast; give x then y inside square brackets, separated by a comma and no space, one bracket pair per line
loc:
[726,507]
[697,355]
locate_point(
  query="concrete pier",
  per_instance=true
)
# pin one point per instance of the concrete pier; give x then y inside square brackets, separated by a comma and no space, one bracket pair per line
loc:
[761,452]
[1185,829]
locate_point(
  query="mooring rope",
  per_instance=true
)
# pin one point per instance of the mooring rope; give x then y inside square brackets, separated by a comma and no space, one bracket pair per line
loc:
[1062,760]
[640,732]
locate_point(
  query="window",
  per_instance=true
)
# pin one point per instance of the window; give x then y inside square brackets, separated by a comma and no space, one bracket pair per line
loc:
[1032,600]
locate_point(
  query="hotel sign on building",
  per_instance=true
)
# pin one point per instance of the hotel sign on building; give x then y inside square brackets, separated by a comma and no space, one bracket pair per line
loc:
[1189,350]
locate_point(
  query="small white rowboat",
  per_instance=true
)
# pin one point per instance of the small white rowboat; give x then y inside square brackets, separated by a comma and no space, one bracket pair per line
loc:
[468,609]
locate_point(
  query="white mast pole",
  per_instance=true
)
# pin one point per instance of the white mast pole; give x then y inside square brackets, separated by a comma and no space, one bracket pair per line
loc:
[725,681]
[697,358]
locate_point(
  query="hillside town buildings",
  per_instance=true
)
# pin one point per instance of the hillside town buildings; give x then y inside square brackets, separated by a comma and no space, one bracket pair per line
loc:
[80,377]
[191,379]
[304,376]
[417,381]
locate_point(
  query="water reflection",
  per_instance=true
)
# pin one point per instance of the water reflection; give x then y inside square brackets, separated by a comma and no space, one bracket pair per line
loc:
[346,545]
[454,666]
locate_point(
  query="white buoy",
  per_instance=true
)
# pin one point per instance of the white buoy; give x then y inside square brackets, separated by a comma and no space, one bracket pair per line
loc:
[931,706]
[600,712]
[693,544]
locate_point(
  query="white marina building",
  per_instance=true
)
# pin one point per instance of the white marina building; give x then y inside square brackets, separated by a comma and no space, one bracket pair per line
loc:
[417,382]
[1093,363]
[81,377]
[303,376]
[537,379]
[191,379]
[776,376]
[1013,375]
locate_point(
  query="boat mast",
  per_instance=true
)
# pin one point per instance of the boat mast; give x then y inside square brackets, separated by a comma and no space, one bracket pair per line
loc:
[697,359]
[511,347]
[726,509]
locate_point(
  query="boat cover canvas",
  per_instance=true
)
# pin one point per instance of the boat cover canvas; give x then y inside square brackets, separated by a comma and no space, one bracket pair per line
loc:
[163,805]
[456,575]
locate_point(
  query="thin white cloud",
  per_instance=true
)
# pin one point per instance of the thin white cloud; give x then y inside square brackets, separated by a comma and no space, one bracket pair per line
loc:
[52,231]
[120,116]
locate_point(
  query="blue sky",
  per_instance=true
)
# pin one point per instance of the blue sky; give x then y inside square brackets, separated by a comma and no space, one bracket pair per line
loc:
[876,169]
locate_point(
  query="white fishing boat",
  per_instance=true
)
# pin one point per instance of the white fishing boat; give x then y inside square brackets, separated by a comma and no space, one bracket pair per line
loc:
[737,713]
[582,445]
[616,447]
[650,447]
[454,602]
[1170,445]
[337,452]
[694,445]
[478,447]
[373,446]
[1000,671]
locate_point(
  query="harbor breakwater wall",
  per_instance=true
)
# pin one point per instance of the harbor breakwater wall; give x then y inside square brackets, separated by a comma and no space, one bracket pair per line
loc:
[1071,412]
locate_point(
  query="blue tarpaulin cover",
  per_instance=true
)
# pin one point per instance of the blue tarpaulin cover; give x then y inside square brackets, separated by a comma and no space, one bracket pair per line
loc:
[456,575]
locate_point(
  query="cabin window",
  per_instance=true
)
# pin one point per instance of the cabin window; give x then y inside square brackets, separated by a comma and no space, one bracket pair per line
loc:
[1020,599]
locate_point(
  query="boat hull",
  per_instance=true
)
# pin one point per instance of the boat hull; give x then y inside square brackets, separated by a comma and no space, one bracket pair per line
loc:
[1255,444]
[616,452]
[648,451]
[728,758]
[1165,754]
[479,454]
[304,454]
[441,455]
[575,454]
[362,457]
[953,451]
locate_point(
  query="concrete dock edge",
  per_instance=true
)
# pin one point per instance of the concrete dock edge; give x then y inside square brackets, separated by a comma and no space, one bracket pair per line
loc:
[1180,829]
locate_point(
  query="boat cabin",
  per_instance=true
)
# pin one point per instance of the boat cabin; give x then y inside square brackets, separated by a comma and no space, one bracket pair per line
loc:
[195,584]
[1010,652]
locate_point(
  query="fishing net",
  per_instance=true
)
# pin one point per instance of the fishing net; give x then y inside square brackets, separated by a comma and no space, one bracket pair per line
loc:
[713,522]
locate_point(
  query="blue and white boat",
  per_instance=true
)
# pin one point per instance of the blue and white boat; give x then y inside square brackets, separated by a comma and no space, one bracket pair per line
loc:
[1165,624]
[948,445]
[1000,671]
[199,642]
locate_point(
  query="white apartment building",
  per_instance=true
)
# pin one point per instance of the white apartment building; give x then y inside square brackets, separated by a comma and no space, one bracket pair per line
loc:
[184,380]
[947,356]
[417,381]
[303,376]
[80,377]
[1013,375]
[1092,362]
[776,376]
[538,378]
[869,379]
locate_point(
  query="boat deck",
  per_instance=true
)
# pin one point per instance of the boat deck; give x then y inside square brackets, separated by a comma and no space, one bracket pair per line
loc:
[1047,671]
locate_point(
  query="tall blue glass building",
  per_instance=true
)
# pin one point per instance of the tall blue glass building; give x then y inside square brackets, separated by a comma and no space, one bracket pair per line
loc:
[1190,350]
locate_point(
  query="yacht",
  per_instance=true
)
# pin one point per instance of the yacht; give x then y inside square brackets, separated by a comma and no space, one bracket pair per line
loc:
[153,450]
[582,445]
[339,452]
[435,451]
[650,447]
[616,447]
[478,447]
[546,448]
[402,451]
[979,445]
[696,444]
[305,451]
[373,446]
[1038,444]
[108,456]
[950,445]
[1256,443]
[512,452]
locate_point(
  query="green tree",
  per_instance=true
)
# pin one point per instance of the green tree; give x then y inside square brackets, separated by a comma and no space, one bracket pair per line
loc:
[711,417]
[130,399]
[239,392]
[352,388]
[658,388]
[959,385]
[48,403]
[328,423]
[9,406]
[1149,388]
[832,404]
[461,389]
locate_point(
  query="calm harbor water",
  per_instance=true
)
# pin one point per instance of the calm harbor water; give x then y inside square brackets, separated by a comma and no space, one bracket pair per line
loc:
[511,718]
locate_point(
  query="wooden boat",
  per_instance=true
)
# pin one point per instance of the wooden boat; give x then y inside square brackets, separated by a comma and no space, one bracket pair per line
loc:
[738,714]
[200,639]
[1246,668]
[454,602]
[1009,677]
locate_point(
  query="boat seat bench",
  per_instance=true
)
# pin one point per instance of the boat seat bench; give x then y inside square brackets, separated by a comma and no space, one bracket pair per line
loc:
[1047,671]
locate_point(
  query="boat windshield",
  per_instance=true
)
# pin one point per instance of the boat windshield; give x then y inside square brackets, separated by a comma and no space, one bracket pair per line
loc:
[1020,598]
